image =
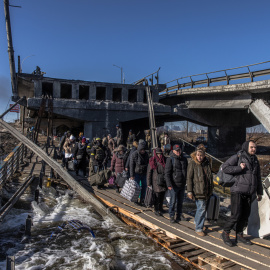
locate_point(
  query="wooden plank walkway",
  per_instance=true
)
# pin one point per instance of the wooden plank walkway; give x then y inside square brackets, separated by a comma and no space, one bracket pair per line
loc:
[256,256]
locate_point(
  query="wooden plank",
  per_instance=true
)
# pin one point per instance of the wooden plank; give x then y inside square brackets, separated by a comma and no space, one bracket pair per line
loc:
[201,258]
[185,248]
[193,253]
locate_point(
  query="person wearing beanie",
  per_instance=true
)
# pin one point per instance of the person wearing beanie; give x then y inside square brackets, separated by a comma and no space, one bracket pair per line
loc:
[138,168]
[155,179]
[80,155]
[246,168]
[200,185]
[175,176]
[130,139]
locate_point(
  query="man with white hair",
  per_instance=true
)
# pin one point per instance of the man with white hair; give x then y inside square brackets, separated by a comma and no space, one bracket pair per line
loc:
[69,147]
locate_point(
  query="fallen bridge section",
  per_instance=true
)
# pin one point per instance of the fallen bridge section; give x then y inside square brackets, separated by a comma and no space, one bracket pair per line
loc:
[100,208]
[261,109]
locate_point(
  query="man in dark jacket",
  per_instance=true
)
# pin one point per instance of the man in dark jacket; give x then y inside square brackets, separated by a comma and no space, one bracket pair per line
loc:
[246,168]
[80,156]
[175,176]
[138,168]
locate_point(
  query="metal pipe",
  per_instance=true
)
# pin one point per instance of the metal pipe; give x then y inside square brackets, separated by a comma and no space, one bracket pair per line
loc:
[4,113]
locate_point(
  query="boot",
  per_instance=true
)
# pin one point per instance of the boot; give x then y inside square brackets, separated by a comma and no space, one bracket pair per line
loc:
[172,220]
[226,239]
[240,238]
[157,213]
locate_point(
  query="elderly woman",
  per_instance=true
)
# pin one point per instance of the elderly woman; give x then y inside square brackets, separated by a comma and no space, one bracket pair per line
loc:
[199,185]
[119,160]
[155,178]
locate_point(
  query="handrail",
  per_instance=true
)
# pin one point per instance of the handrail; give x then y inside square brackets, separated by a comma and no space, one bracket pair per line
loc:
[249,74]
[144,78]
[12,162]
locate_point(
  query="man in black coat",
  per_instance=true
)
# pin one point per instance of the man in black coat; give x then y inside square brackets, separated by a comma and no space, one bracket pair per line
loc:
[246,168]
[175,176]
[80,156]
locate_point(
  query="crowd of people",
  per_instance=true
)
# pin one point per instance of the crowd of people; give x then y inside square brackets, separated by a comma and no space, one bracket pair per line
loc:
[166,169]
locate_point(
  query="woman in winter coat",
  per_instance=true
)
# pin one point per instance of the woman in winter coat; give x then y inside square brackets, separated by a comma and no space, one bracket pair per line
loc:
[155,178]
[118,163]
[199,185]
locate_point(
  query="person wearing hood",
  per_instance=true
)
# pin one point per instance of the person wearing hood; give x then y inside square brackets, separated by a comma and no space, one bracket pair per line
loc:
[155,179]
[175,176]
[199,185]
[80,156]
[246,168]
[138,168]
[119,160]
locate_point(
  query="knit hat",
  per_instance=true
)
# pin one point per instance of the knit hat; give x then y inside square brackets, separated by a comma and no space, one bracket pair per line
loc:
[158,151]
[141,141]
[121,148]
[83,140]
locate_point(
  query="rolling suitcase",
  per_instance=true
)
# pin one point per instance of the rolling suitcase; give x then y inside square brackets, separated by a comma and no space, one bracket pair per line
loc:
[149,198]
[212,211]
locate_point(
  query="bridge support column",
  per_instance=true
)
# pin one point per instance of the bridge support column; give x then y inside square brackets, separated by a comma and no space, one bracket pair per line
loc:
[225,141]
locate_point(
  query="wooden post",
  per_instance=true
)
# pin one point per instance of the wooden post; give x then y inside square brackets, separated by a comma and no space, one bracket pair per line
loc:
[10,263]
[28,225]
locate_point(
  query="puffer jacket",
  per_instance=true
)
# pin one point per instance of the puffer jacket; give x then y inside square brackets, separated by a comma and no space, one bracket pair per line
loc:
[137,158]
[175,175]
[118,162]
[200,178]
[152,178]
[248,181]
[80,151]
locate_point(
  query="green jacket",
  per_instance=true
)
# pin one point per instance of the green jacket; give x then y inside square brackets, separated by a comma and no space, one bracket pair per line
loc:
[200,178]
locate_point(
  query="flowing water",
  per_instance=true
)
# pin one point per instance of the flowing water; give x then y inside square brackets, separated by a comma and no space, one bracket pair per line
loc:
[114,247]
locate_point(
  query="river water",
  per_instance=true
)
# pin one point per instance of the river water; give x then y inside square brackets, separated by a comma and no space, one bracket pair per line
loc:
[114,247]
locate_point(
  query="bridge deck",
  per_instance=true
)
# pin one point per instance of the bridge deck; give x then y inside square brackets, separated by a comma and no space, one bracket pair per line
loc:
[256,256]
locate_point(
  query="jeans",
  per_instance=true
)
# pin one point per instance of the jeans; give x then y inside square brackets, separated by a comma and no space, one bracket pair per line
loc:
[200,215]
[240,211]
[141,178]
[177,197]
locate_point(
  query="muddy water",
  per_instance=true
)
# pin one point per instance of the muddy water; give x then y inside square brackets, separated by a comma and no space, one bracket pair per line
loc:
[114,247]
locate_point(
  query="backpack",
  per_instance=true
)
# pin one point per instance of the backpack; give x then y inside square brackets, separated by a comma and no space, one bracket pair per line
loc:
[100,154]
[224,179]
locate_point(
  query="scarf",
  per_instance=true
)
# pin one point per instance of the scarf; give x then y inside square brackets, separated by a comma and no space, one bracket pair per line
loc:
[155,160]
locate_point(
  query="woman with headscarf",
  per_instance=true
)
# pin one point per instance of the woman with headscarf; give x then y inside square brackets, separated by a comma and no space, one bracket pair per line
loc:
[199,185]
[155,178]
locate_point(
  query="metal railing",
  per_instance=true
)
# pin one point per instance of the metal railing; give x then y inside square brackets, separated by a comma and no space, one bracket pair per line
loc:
[227,78]
[12,162]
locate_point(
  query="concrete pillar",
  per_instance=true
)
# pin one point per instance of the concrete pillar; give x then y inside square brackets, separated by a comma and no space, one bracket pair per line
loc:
[75,91]
[92,92]
[140,94]
[124,94]
[225,141]
[88,130]
[56,89]
[109,93]
[38,88]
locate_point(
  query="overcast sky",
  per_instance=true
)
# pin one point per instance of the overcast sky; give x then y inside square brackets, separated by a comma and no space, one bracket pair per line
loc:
[82,39]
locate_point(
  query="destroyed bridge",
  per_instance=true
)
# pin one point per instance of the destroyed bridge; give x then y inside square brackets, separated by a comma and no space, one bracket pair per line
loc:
[225,107]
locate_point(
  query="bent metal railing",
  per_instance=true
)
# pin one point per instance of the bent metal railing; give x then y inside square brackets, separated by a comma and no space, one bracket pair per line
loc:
[207,81]
[12,162]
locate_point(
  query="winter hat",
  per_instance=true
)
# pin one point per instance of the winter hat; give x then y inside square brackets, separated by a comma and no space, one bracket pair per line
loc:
[121,148]
[130,130]
[158,151]
[72,138]
[83,140]
[141,141]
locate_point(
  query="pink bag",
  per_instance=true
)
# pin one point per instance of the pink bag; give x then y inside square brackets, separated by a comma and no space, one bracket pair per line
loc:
[111,180]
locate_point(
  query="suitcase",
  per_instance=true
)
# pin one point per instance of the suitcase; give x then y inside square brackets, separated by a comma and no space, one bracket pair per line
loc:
[149,198]
[212,211]
[131,190]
